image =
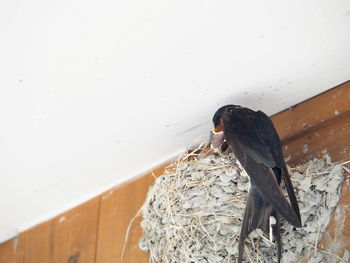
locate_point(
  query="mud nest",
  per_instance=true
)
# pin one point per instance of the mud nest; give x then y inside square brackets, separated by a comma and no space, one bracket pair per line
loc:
[193,212]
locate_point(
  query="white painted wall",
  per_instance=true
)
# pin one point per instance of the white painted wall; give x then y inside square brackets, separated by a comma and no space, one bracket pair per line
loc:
[94,92]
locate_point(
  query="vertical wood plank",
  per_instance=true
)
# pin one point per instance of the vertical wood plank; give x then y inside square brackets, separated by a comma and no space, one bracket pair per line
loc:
[8,251]
[34,245]
[118,207]
[68,238]
[73,234]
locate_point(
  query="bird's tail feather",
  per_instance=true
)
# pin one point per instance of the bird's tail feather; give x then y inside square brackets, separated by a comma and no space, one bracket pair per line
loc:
[257,215]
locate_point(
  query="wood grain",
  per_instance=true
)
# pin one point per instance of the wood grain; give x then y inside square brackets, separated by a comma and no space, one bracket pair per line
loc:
[68,238]
[8,251]
[313,113]
[333,139]
[34,245]
[118,207]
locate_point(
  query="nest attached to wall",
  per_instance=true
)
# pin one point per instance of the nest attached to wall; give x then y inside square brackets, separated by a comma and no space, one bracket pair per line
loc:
[193,212]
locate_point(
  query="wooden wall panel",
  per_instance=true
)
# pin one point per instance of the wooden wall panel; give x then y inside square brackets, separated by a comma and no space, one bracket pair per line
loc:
[311,114]
[118,207]
[333,139]
[8,251]
[73,235]
[34,245]
[68,238]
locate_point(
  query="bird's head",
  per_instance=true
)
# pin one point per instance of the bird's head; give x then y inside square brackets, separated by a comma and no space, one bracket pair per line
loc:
[217,138]
[218,117]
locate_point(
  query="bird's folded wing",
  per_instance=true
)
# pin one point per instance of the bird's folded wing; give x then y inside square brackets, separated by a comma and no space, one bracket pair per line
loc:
[264,179]
[290,191]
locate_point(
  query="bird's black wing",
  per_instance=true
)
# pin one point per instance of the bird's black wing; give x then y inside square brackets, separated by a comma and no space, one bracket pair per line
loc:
[255,143]
[271,138]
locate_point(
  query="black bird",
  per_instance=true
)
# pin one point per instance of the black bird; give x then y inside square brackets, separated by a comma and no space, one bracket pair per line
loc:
[255,143]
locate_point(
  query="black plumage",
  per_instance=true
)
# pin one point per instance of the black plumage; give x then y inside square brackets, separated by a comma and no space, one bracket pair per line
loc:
[256,144]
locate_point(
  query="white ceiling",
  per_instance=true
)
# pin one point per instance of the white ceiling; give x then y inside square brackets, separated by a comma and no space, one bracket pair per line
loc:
[92,93]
